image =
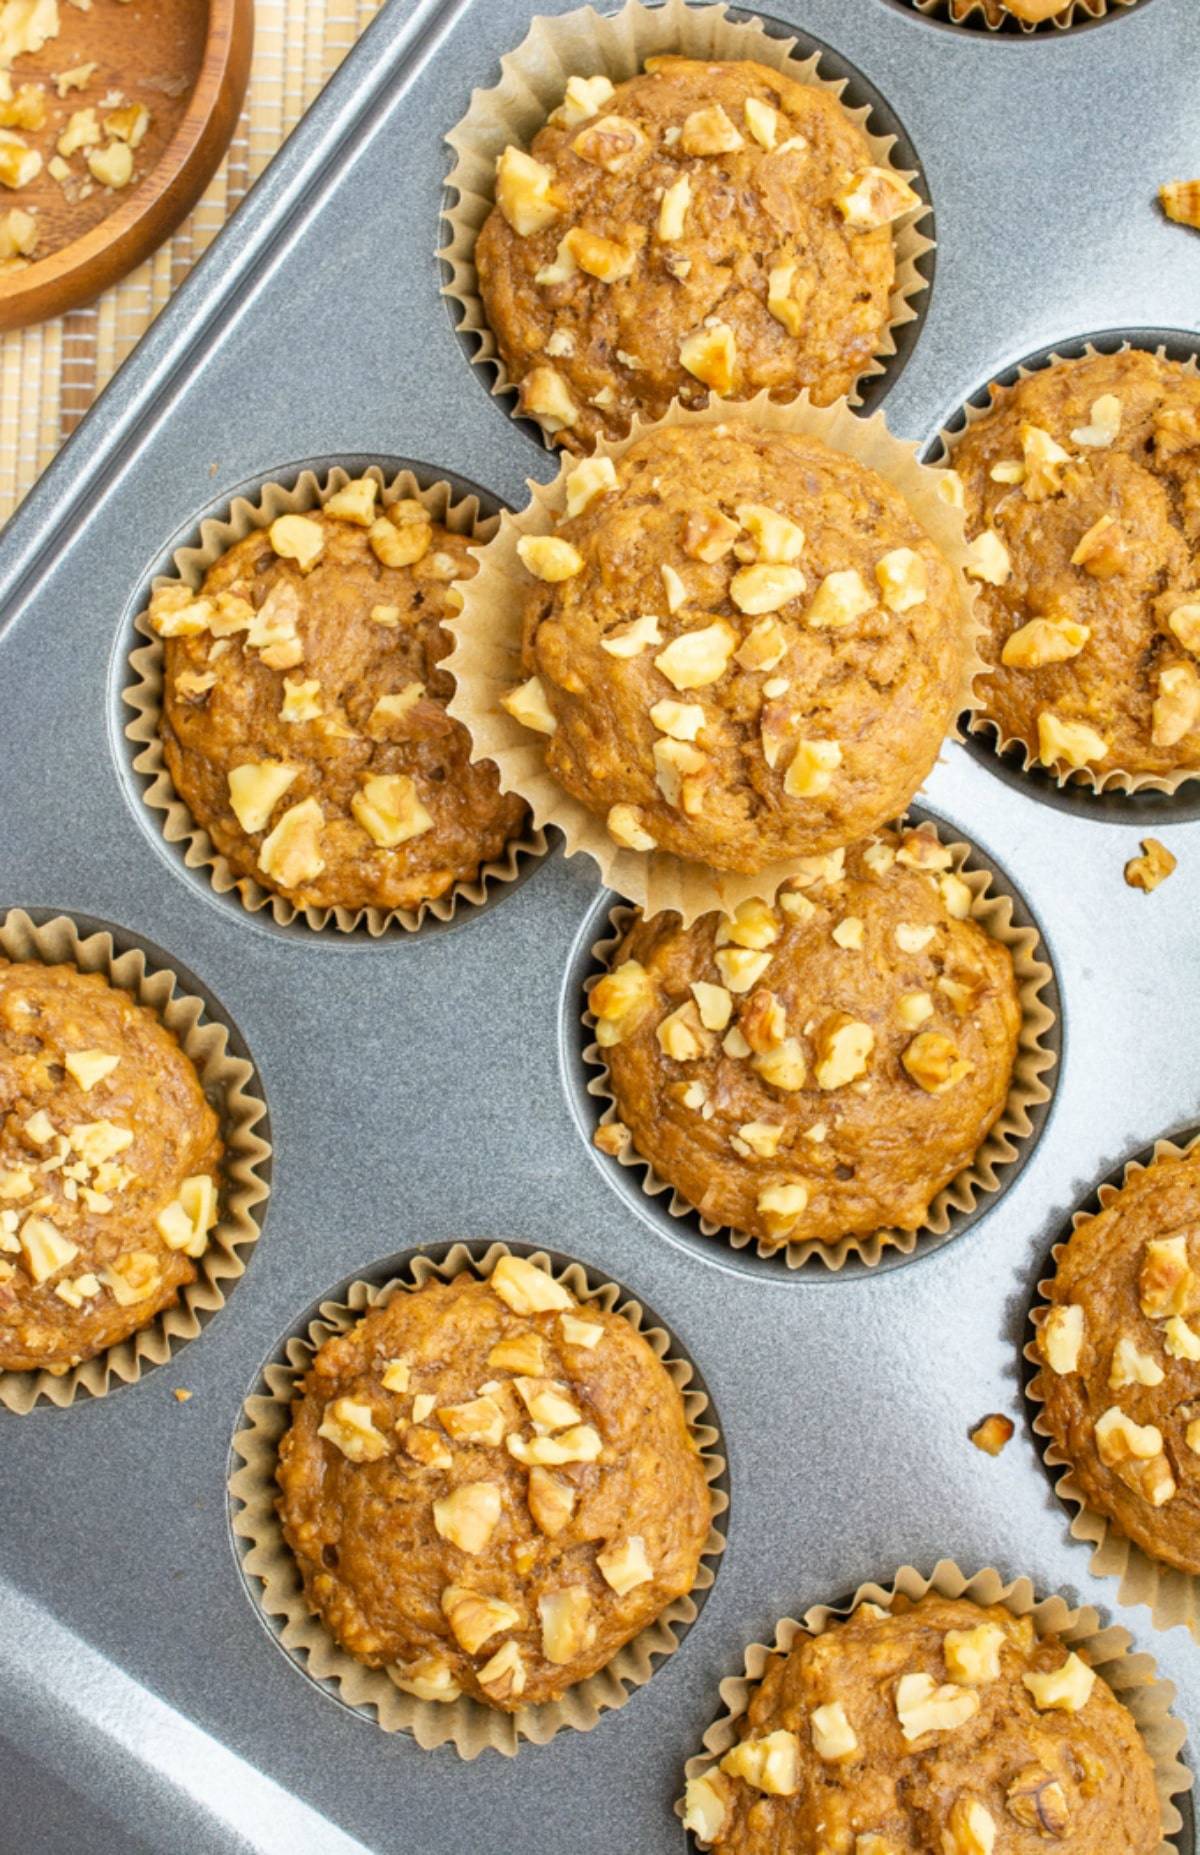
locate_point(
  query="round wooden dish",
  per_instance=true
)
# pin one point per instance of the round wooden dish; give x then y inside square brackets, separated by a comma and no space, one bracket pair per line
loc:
[189,62]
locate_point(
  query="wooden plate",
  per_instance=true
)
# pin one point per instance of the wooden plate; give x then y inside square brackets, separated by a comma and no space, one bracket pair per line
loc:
[189,62]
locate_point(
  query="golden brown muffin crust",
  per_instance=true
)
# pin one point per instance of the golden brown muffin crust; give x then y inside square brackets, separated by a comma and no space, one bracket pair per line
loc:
[1108,627]
[816,724]
[1079,1781]
[83,1263]
[394,1588]
[342,741]
[741,1111]
[1136,1321]
[751,210]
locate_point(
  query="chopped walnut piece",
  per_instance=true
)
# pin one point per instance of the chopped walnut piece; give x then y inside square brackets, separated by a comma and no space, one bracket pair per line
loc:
[1043,641]
[770,1764]
[709,132]
[601,258]
[390,811]
[426,1447]
[781,1207]
[545,396]
[1044,461]
[924,1707]
[682,1035]
[354,502]
[1036,1799]
[765,587]
[1105,423]
[1063,1690]
[786,300]
[840,599]
[474,1619]
[611,142]
[467,1516]
[833,1737]
[762,122]
[625,1566]
[706,1804]
[1166,1282]
[476,1420]
[683,721]
[697,658]
[1180,200]
[785,1067]
[88,1067]
[1102,551]
[1153,867]
[526,1289]
[973,1656]
[584,97]
[777,539]
[298,538]
[1135,1451]
[934,1063]
[528,705]
[429,1678]
[843,1047]
[1176,709]
[708,535]
[988,559]
[525,192]
[619,1001]
[1071,742]
[548,558]
[567,1628]
[677,771]
[1131,1366]
[740,968]
[811,768]
[611,1138]
[1060,1340]
[587,481]
[503,1677]
[874,197]
[625,827]
[971,1829]
[44,1249]
[581,1443]
[993,1434]
[710,354]
[1180,1340]
[551,1501]
[632,639]
[903,579]
[350,1426]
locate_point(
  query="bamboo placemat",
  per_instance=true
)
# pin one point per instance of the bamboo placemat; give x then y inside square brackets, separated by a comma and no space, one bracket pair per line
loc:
[50,375]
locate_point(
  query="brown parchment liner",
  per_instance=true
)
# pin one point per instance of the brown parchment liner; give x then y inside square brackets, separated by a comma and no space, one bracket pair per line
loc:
[532,83]
[1034,1058]
[1117,779]
[1079,13]
[1133,1678]
[144,696]
[466,1724]
[226,1080]
[1172,1596]
[486,661]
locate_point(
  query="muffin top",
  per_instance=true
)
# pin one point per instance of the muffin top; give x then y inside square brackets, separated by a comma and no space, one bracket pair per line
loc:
[109,1158]
[938,1725]
[490,1488]
[304,721]
[821,1068]
[1120,1346]
[1083,497]
[699,227]
[741,645]
[1030,12]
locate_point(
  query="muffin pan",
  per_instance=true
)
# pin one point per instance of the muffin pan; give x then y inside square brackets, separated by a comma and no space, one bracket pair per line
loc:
[414,1083]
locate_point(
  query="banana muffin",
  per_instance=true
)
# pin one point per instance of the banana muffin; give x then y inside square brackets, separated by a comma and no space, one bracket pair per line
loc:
[1120,1351]
[109,1166]
[1082,488]
[490,1488]
[937,1727]
[821,1068]
[699,228]
[304,722]
[741,645]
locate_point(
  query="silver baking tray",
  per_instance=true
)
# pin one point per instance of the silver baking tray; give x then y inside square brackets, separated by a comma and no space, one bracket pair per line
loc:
[431,1088]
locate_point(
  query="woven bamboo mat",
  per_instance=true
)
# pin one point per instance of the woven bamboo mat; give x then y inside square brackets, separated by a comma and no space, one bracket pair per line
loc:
[50,375]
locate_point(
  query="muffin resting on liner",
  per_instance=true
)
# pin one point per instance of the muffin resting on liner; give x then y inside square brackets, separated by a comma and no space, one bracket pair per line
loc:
[1079,502]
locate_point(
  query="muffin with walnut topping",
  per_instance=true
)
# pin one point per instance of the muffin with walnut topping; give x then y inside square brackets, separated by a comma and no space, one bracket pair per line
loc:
[109,1166]
[821,1068]
[303,716]
[700,227]
[1119,1344]
[741,645]
[938,1724]
[489,1488]
[1080,488]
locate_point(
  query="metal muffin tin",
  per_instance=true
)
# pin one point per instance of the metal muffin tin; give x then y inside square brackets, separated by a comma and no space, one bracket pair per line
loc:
[414,1085]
